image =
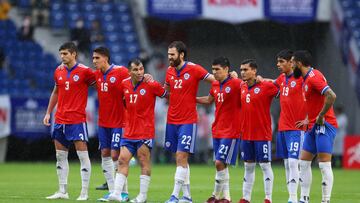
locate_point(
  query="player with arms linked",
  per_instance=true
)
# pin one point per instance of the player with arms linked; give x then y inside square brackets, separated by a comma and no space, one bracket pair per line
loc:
[70,93]
[319,139]
[140,97]
[225,92]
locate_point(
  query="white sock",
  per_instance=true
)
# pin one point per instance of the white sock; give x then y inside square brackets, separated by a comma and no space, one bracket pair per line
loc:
[226,185]
[249,179]
[268,176]
[287,172]
[115,167]
[144,186]
[120,180]
[125,188]
[186,186]
[108,170]
[180,177]
[62,169]
[219,183]
[293,180]
[327,180]
[305,179]
[85,171]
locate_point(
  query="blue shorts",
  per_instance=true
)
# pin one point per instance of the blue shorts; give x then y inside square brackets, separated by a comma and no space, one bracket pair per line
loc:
[226,150]
[180,137]
[67,133]
[289,143]
[320,139]
[109,138]
[259,151]
[134,145]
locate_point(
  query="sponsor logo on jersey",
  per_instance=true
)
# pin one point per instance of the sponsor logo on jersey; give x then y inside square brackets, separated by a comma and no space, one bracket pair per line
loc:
[222,157]
[142,91]
[60,78]
[127,91]
[265,156]
[293,84]
[112,79]
[186,76]
[257,90]
[172,77]
[227,89]
[186,147]
[76,78]
[116,145]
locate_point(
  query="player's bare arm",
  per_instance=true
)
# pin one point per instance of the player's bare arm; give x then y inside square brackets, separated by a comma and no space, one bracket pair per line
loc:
[330,97]
[52,102]
[205,99]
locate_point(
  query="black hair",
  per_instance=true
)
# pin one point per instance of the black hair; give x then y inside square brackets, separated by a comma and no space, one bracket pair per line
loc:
[285,54]
[103,51]
[180,47]
[135,61]
[304,57]
[222,61]
[252,63]
[70,46]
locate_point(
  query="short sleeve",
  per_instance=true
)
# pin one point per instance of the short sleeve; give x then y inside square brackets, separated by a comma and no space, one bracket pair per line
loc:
[157,89]
[278,81]
[90,76]
[201,72]
[167,77]
[273,89]
[318,82]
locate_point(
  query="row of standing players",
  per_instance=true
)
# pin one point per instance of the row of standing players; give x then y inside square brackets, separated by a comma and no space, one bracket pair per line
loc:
[242,111]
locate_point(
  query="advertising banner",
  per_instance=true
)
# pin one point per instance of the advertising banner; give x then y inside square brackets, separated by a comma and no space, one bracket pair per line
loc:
[5,115]
[174,9]
[291,11]
[351,158]
[233,11]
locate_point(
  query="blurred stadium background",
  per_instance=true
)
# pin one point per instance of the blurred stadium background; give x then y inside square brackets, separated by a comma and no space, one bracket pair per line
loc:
[31,32]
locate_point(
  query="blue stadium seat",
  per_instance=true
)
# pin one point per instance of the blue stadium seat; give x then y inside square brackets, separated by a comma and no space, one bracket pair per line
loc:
[72,7]
[106,7]
[57,19]
[88,7]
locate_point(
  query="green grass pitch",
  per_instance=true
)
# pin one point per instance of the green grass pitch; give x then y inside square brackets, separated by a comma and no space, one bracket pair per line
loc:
[32,182]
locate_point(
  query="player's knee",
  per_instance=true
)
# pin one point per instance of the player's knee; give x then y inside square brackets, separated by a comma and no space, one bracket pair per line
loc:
[220,165]
[105,152]
[123,161]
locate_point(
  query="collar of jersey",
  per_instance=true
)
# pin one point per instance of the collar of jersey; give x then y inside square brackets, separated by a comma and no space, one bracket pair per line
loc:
[138,84]
[288,77]
[223,82]
[307,74]
[179,71]
[108,70]
[71,69]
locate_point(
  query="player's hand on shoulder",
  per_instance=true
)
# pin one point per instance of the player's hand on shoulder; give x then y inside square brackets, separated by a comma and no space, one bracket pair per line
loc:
[148,78]
[234,74]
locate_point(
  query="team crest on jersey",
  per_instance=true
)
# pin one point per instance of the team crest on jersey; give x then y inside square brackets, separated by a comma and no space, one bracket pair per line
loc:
[293,84]
[186,76]
[112,79]
[227,89]
[142,91]
[76,78]
[306,88]
[257,90]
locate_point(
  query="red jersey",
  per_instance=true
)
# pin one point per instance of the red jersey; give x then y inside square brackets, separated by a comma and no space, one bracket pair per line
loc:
[111,106]
[72,87]
[314,87]
[291,102]
[255,110]
[140,104]
[183,85]
[227,102]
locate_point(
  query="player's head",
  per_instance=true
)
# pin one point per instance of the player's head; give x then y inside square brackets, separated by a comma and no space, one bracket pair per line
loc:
[136,69]
[101,57]
[284,62]
[301,59]
[248,69]
[176,53]
[68,52]
[220,68]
